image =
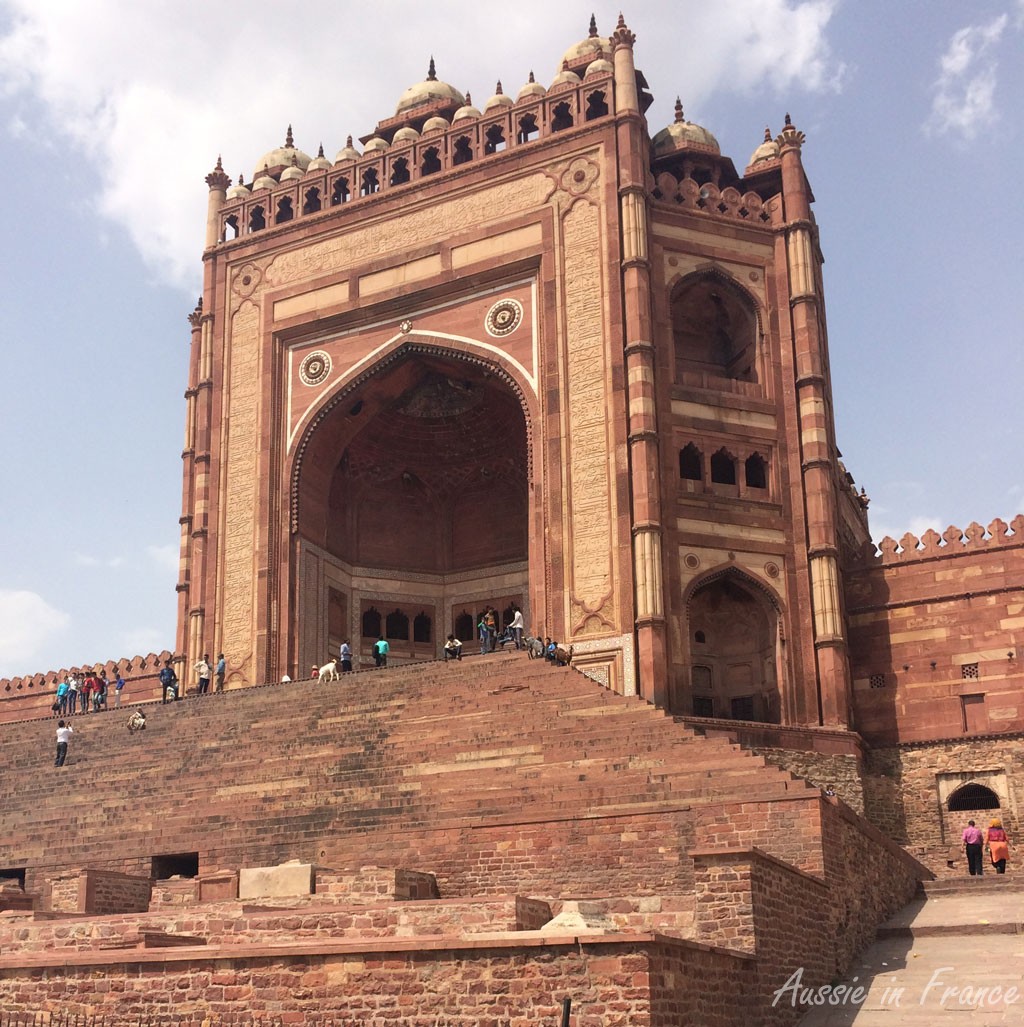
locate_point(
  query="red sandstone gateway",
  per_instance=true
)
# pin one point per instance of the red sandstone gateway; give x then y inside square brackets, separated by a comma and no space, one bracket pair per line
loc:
[521,355]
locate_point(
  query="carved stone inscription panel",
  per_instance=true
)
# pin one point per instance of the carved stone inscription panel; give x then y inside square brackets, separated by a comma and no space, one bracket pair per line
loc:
[241,479]
[590,487]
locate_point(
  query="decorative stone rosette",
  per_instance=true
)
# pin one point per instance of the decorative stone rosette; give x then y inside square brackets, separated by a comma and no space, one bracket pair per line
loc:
[315,368]
[504,318]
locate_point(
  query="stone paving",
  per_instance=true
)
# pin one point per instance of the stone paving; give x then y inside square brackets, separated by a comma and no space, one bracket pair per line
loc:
[955,956]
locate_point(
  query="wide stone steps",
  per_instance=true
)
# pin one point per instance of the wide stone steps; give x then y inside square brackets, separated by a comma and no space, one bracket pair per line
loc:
[411,749]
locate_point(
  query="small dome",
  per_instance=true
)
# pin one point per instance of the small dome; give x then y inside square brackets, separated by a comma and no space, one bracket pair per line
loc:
[263,182]
[532,88]
[404,135]
[565,77]
[282,156]
[593,46]
[682,134]
[429,89]
[768,150]
[434,124]
[319,162]
[499,99]
[348,152]
[601,66]
[469,111]
[374,144]
[238,192]
[292,173]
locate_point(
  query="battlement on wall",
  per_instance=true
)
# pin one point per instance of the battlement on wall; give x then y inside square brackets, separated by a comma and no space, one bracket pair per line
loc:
[952,542]
[22,698]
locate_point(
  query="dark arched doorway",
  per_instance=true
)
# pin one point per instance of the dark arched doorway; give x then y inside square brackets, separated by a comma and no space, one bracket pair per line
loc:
[412,506]
[733,629]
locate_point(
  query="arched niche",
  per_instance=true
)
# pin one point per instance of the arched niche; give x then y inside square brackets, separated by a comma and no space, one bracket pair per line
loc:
[410,492]
[732,627]
[715,331]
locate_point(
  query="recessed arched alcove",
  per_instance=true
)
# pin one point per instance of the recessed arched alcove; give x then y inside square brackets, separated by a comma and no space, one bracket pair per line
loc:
[715,331]
[411,499]
[733,630]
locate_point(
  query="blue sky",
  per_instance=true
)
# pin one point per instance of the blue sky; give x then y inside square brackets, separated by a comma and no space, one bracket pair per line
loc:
[112,113]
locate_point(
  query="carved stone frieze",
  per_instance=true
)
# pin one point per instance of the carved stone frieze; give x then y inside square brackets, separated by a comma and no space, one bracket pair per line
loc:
[418,227]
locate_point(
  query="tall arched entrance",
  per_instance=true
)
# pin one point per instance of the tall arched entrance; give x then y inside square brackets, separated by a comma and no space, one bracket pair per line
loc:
[411,508]
[734,666]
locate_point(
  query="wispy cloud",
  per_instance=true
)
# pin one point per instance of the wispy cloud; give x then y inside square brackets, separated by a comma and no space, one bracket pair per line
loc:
[27,623]
[88,560]
[964,100]
[165,557]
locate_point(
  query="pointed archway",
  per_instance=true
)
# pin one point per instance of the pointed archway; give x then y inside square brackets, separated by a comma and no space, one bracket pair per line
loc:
[733,645]
[411,507]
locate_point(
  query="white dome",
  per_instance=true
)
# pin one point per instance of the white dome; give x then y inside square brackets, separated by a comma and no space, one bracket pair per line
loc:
[348,152]
[683,134]
[565,77]
[768,150]
[532,88]
[426,91]
[319,162]
[434,124]
[238,192]
[469,111]
[599,67]
[375,144]
[404,135]
[282,156]
[498,100]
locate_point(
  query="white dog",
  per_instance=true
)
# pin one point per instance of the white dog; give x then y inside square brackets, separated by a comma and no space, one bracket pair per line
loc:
[329,672]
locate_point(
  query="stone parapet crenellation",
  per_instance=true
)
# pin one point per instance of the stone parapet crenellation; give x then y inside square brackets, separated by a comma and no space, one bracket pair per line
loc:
[952,542]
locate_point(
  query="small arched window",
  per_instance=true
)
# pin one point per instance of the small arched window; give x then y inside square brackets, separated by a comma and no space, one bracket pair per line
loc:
[527,129]
[371,623]
[495,139]
[723,468]
[257,219]
[400,172]
[284,211]
[231,227]
[370,184]
[463,151]
[464,627]
[431,161]
[973,796]
[561,118]
[397,626]
[597,106]
[755,471]
[422,627]
[691,466]
[313,202]
[339,192]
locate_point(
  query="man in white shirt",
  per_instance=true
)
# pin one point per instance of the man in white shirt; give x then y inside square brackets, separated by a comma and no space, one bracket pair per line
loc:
[517,626]
[64,734]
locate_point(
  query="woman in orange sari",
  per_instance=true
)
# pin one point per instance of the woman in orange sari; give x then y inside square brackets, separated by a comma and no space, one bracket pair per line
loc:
[998,847]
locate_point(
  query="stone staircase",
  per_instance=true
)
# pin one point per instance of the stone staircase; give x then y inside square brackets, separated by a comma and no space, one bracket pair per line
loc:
[428,765]
[951,955]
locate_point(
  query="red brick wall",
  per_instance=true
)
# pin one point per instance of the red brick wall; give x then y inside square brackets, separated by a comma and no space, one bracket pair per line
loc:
[920,615]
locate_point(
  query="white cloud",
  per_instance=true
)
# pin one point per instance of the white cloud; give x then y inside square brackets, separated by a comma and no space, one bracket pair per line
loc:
[141,641]
[165,557]
[27,623]
[964,102]
[149,94]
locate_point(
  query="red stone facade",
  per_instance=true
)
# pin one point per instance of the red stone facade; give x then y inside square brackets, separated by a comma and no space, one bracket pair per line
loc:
[536,357]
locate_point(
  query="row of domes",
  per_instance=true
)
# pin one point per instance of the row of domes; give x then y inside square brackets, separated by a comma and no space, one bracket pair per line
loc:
[589,54]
